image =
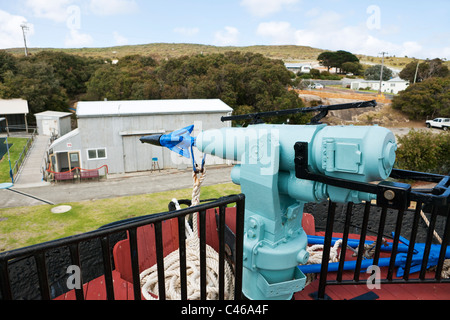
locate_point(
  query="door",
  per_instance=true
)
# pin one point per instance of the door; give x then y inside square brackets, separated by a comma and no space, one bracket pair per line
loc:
[74,160]
[137,156]
[48,126]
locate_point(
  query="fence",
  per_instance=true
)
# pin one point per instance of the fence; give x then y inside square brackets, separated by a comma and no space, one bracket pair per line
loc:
[38,252]
[23,155]
[393,198]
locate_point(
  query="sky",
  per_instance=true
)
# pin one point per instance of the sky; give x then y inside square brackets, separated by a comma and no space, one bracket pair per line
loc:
[419,29]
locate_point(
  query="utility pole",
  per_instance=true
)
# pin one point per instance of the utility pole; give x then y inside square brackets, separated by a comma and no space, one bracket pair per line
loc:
[24,30]
[381,73]
[417,69]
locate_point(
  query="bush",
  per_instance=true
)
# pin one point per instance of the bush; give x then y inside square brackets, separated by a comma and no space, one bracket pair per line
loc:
[424,151]
[427,99]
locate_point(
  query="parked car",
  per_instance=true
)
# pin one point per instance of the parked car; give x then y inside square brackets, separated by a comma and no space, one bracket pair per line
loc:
[315,86]
[443,123]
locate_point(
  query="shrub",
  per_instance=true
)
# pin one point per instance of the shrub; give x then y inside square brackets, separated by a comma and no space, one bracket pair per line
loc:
[424,151]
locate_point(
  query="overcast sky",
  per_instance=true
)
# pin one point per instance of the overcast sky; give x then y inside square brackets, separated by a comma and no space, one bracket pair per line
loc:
[413,28]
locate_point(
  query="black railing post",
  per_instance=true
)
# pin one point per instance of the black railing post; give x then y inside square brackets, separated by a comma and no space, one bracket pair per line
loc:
[5,284]
[107,268]
[75,257]
[348,217]
[412,240]
[202,218]
[444,244]
[42,275]
[326,250]
[221,231]
[240,218]
[182,253]
[429,240]
[160,261]
[135,263]
[362,240]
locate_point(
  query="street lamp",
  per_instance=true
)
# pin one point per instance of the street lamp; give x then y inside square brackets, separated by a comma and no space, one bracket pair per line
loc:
[9,158]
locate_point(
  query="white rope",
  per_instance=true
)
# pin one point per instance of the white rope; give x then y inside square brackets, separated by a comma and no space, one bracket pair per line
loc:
[315,257]
[149,277]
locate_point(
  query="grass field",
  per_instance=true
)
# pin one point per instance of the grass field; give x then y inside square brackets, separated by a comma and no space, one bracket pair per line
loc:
[16,149]
[25,226]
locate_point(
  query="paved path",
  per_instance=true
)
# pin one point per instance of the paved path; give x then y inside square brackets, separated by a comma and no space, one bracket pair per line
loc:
[116,185]
[30,174]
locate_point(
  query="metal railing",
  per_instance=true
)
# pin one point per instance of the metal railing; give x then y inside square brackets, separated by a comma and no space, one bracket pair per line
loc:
[23,154]
[40,252]
[414,260]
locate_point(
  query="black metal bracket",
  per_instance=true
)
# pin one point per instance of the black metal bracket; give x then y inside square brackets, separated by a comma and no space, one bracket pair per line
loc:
[390,194]
[323,111]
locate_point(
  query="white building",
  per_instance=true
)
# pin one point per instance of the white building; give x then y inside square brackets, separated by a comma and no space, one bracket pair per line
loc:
[108,133]
[53,123]
[298,67]
[394,85]
[15,112]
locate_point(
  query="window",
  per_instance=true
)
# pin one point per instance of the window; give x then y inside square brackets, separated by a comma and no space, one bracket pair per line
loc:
[94,154]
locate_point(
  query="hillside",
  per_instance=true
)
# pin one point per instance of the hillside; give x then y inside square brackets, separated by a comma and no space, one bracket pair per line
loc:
[290,53]
[173,50]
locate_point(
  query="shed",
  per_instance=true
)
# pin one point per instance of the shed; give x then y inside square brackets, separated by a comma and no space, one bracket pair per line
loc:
[53,123]
[298,67]
[15,112]
[108,133]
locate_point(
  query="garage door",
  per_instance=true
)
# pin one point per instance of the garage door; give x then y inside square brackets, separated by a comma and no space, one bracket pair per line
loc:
[138,156]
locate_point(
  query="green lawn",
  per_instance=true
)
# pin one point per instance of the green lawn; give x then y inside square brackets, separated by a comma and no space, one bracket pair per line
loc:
[16,149]
[25,226]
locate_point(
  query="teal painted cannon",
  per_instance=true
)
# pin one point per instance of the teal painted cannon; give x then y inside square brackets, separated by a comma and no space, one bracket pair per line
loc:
[275,243]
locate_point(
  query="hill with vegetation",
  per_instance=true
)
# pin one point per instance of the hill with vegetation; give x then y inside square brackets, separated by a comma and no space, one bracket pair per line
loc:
[175,50]
[291,53]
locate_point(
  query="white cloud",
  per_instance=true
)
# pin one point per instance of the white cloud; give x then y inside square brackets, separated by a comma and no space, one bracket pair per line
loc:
[120,40]
[227,37]
[75,39]
[280,32]
[329,30]
[55,10]
[188,32]
[10,31]
[262,8]
[113,7]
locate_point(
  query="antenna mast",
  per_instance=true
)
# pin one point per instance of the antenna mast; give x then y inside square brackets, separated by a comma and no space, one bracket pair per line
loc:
[24,30]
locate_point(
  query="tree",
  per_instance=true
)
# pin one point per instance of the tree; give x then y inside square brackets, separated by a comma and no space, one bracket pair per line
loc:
[36,83]
[429,98]
[342,57]
[238,79]
[373,73]
[7,63]
[326,59]
[336,59]
[425,70]
[352,67]
[72,71]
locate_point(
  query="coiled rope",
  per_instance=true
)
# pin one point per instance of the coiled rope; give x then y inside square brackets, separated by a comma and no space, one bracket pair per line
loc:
[149,277]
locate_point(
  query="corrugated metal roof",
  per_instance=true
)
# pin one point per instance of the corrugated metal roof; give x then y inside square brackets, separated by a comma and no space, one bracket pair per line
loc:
[53,114]
[13,106]
[146,107]
[71,134]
